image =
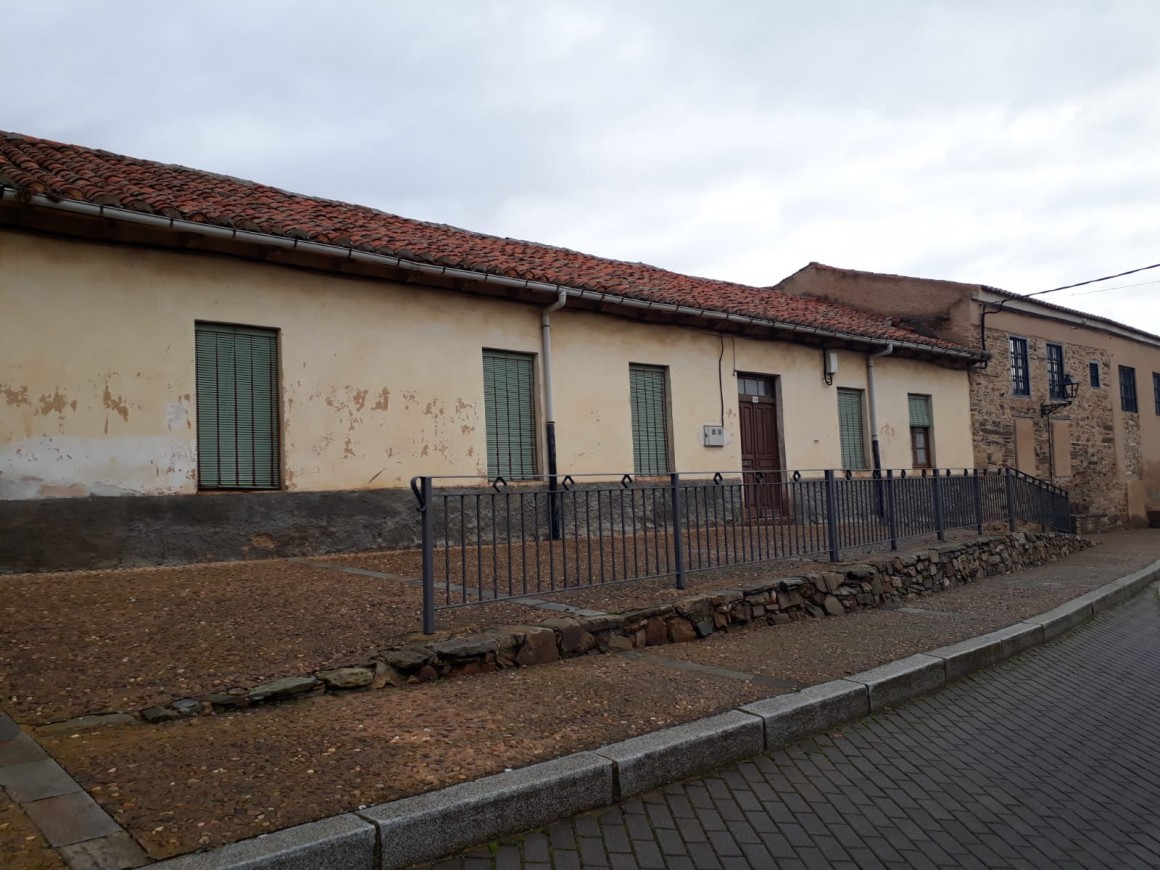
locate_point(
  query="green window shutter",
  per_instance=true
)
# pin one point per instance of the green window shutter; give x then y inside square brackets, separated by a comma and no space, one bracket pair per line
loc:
[851,429]
[920,413]
[238,441]
[648,394]
[509,414]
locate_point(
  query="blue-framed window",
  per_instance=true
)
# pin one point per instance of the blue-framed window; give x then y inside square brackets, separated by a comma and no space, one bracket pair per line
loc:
[1020,377]
[1094,374]
[1156,391]
[1055,372]
[1128,390]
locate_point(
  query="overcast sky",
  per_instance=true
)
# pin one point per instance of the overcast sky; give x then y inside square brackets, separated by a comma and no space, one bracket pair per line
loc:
[1009,143]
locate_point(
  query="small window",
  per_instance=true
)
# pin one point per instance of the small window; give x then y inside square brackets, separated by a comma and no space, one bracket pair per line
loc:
[851,429]
[1128,390]
[921,423]
[648,395]
[238,439]
[1055,372]
[1094,374]
[754,385]
[1156,391]
[1020,380]
[509,415]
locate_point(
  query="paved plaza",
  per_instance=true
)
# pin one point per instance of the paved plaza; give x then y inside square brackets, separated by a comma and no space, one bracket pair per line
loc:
[1049,760]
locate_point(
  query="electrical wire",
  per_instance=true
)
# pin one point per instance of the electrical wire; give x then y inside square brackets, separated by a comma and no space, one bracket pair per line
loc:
[1092,281]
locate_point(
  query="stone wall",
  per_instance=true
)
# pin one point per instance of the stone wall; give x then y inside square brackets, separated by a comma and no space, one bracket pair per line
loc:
[772,601]
[1096,487]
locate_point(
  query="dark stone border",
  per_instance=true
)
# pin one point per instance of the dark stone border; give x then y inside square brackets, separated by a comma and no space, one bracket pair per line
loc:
[876,583]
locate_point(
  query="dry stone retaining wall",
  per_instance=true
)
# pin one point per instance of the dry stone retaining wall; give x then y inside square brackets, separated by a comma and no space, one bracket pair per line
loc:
[772,601]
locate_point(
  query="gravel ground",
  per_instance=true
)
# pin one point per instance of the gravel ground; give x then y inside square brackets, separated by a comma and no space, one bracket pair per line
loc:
[201,782]
[118,641]
[813,650]
[21,844]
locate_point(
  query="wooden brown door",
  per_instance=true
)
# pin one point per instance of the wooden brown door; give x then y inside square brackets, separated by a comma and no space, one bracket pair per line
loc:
[760,444]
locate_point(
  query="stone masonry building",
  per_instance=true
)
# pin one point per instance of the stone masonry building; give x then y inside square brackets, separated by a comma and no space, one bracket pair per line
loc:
[1104,446]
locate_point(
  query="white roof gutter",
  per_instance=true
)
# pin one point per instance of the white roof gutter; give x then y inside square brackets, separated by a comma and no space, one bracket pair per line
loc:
[343,253]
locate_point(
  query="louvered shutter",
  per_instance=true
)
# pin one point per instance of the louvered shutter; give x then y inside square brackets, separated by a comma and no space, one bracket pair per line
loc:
[851,429]
[238,442]
[509,415]
[648,395]
[920,414]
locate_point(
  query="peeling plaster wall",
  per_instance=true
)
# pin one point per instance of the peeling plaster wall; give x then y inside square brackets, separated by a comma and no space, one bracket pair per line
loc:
[379,381]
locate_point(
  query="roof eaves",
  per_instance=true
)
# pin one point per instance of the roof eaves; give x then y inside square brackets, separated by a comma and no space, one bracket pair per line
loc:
[360,253]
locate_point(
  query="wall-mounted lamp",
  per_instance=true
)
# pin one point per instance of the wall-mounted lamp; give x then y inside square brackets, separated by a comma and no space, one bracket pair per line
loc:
[1069,389]
[829,366]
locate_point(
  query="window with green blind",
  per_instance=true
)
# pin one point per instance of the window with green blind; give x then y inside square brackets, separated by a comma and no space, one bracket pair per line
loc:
[921,422]
[920,413]
[851,428]
[238,441]
[509,414]
[648,394]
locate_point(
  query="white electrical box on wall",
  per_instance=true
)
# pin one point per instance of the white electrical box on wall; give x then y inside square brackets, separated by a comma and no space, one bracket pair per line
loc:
[713,436]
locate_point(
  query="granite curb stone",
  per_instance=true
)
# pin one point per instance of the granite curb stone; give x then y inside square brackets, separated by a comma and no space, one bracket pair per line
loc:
[431,825]
[651,760]
[899,681]
[817,708]
[981,652]
[343,842]
[1063,618]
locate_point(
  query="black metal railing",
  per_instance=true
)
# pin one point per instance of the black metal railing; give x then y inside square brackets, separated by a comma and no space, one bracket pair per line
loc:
[517,540]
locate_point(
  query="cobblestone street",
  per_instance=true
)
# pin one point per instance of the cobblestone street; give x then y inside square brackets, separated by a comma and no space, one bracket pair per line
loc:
[1050,760]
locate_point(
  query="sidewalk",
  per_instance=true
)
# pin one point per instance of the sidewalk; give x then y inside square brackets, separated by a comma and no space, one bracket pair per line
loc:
[201,782]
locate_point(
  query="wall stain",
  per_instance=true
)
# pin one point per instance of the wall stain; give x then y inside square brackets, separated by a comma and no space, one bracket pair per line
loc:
[466,429]
[56,403]
[15,397]
[347,447]
[359,397]
[117,404]
[383,402]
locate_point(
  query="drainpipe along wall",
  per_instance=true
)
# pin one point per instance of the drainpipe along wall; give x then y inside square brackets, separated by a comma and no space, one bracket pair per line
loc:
[874,448]
[550,407]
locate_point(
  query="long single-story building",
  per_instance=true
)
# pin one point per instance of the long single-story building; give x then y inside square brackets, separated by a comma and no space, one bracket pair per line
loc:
[194,366]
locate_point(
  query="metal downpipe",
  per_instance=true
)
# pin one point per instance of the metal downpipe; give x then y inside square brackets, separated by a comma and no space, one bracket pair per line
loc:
[550,411]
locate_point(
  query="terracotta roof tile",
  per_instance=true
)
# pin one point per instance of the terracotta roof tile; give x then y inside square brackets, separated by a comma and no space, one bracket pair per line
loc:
[73,172]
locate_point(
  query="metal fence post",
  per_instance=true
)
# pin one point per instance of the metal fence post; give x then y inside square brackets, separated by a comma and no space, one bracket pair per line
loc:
[832,516]
[936,500]
[678,548]
[893,517]
[1010,486]
[426,510]
[978,491]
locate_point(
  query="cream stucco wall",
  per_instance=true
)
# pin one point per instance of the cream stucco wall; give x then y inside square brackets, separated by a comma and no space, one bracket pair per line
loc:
[379,381]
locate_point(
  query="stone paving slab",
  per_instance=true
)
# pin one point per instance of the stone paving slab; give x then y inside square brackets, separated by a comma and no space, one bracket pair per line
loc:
[70,818]
[111,852]
[9,730]
[35,780]
[20,750]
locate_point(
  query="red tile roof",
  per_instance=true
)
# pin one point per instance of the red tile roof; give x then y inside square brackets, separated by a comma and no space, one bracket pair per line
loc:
[71,172]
